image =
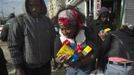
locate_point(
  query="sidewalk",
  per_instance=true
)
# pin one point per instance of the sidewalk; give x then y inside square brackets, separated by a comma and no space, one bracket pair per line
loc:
[10,66]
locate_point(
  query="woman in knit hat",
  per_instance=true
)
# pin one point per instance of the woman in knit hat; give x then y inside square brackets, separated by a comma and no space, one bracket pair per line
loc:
[75,44]
[104,24]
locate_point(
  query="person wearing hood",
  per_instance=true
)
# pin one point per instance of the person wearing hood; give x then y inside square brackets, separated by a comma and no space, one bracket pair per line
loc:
[75,44]
[104,23]
[4,32]
[117,52]
[31,40]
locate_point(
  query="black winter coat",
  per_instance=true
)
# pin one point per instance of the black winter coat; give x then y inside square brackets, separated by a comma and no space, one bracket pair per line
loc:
[118,43]
[91,40]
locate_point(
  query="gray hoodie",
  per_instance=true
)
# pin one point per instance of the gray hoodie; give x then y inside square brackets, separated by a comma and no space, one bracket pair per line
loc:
[31,39]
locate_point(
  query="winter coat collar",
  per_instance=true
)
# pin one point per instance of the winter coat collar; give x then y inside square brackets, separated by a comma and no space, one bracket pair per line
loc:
[80,38]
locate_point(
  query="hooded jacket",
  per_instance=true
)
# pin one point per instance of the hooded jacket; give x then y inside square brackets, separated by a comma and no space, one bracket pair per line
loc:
[31,38]
[117,44]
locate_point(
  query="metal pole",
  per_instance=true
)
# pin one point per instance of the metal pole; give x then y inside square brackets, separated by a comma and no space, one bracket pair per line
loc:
[123,13]
[86,10]
[90,6]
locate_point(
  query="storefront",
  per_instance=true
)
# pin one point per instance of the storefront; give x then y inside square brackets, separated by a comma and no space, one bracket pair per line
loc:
[119,8]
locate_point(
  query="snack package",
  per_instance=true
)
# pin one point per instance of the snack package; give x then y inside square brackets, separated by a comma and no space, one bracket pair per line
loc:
[86,50]
[65,50]
[107,29]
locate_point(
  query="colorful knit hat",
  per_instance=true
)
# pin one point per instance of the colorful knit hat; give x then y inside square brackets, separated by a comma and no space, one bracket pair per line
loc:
[70,17]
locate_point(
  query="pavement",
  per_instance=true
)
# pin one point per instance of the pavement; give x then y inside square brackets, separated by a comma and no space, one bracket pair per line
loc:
[10,65]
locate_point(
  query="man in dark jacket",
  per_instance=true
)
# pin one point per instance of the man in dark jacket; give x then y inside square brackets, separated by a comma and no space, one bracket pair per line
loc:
[118,50]
[31,40]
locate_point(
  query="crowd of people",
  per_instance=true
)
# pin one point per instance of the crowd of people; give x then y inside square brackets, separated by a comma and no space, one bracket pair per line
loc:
[34,40]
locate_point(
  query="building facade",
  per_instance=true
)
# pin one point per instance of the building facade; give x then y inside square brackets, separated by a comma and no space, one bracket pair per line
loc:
[54,6]
[123,9]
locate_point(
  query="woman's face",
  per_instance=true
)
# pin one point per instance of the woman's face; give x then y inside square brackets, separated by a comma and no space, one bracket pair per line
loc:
[68,31]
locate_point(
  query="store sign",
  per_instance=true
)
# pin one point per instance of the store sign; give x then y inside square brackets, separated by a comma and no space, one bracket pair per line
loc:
[97,7]
[98,4]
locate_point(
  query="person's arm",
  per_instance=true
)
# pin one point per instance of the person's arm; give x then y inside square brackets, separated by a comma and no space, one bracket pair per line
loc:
[101,52]
[16,42]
